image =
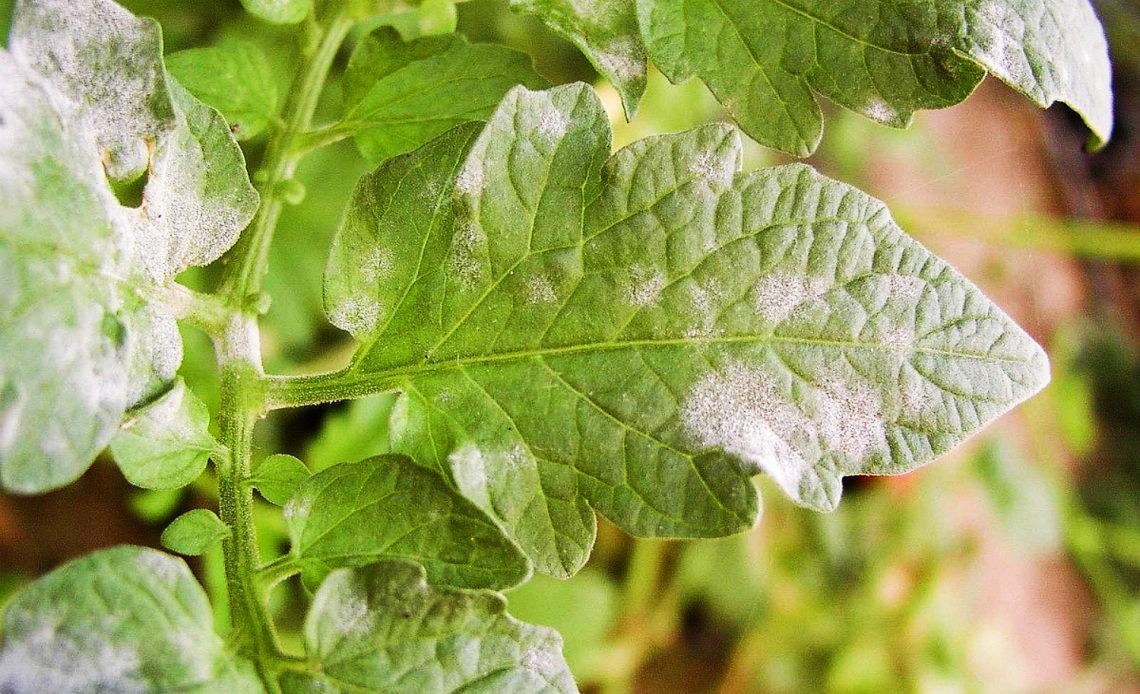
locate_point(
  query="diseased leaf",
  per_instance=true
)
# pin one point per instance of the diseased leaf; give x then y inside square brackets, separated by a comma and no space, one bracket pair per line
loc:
[400,95]
[644,334]
[194,532]
[279,476]
[387,507]
[167,444]
[606,32]
[85,97]
[125,620]
[279,11]
[384,629]
[882,58]
[235,78]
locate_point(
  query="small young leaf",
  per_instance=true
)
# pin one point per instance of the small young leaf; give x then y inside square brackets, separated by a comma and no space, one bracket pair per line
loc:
[194,532]
[384,629]
[279,476]
[85,97]
[126,619]
[644,334]
[279,11]
[167,444]
[387,507]
[234,78]
[764,58]
[606,32]
[400,95]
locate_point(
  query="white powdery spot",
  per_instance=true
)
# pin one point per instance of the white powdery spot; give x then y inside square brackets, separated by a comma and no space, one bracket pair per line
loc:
[899,338]
[705,299]
[538,660]
[469,468]
[881,111]
[618,60]
[161,566]
[471,179]
[851,418]
[906,288]
[352,613]
[552,122]
[376,264]
[742,412]
[998,31]
[357,315]
[648,283]
[45,660]
[778,295]
[465,248]
[717,171]
[539,290]
[299,508]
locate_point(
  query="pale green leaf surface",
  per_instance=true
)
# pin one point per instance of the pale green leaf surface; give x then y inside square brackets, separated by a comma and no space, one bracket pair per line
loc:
[234,77]
[84,91]
[61,398]
[882,58]
[606,32]
[353,514]
[127,620]
[384,629]
[279,476]
[279,11]
[194,532]
[643,334]
[166,444]
[398,95]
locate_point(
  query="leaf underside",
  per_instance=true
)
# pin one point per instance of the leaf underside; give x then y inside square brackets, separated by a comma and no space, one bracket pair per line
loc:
[127,620]
[642,333]
[85,99]
[384,629]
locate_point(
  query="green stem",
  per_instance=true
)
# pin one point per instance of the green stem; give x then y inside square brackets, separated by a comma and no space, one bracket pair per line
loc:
[239,355]
[322,137]
[250,262]
[287,392]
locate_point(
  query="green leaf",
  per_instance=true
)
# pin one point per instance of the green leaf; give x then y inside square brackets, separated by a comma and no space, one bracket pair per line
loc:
[606,32]
[85,97]
[126,619]
[279,11]
[400,95]
[764,58]
[279,476]
[644,334]
[384,629]
[235,78]
[167,444]
[387,507]
[194,532]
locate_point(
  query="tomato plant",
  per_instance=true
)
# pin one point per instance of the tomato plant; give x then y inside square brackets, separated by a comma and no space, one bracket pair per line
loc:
[568,330]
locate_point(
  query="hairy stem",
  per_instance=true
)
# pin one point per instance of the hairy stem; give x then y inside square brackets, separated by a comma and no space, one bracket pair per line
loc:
[250,260]
[239,354]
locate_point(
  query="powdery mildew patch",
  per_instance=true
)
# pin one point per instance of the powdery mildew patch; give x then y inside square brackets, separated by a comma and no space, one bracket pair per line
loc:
[358,316]
[352,615]
[648,283]
[464,261]
[44,659]
[376,264]
[469,469]
[717,171]
[539,290]
[616,60]
[741,411]
[552,122]
[778,295]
